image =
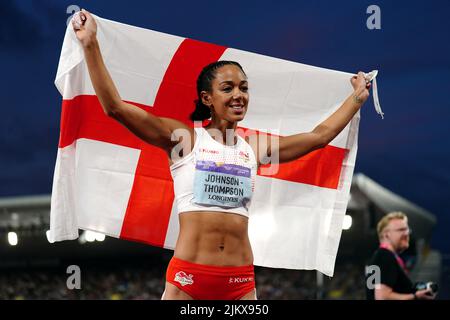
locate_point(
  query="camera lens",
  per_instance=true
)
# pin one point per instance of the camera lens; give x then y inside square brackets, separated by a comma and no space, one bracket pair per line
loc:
[432,286]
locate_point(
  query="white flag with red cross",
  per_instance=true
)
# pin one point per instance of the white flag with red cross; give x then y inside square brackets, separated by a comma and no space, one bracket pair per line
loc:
[108,180]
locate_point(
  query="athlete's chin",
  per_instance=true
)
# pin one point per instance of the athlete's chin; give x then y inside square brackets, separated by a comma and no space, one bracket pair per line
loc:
[234,118]
[237,117]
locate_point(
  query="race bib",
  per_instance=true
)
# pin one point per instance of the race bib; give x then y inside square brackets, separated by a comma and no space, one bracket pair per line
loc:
[221,184]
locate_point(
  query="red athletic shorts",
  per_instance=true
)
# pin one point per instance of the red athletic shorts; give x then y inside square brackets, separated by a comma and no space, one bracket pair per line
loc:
[205,282]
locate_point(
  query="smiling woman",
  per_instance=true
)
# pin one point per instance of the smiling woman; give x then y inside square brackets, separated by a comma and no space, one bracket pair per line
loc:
[231,88]
[214,179]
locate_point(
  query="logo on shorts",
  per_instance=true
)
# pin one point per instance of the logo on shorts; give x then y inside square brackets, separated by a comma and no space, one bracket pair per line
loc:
[183,278]
[240,279]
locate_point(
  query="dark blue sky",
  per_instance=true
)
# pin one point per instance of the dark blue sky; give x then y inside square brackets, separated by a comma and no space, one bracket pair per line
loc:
[408,152]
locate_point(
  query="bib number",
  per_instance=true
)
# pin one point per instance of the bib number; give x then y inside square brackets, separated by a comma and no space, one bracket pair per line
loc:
[224,185]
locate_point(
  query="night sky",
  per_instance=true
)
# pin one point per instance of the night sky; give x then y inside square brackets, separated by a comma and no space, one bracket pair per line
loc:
[408,152]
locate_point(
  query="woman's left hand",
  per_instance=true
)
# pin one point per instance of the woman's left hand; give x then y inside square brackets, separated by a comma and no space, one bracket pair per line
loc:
[361,87]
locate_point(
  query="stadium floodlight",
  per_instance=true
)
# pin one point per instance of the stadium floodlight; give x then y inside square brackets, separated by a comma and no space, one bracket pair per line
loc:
[99,236]
[89,236]
[347,223]
[12,238]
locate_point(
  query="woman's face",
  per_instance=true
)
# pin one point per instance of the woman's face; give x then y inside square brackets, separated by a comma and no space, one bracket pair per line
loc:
[229,97]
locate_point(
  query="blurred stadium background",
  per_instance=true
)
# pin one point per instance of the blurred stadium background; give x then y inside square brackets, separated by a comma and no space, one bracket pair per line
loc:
[32,268]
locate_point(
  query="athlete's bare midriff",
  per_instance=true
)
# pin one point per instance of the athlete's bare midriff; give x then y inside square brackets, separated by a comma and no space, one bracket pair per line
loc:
[214,238]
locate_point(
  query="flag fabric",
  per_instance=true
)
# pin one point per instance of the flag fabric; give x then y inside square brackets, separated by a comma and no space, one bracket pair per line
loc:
[107,180]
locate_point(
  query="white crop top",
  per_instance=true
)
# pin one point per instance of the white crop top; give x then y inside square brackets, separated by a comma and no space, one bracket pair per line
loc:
[215,177]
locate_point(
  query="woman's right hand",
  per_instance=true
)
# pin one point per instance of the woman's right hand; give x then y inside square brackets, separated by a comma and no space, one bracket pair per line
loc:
[85,27]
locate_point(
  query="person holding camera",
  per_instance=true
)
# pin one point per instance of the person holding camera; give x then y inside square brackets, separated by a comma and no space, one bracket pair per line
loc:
[395,284]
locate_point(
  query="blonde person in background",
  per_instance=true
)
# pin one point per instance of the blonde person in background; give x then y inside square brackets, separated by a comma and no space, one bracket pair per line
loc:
[393,234]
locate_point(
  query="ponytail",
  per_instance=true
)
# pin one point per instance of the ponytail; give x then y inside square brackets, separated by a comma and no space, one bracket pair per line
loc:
[201,111]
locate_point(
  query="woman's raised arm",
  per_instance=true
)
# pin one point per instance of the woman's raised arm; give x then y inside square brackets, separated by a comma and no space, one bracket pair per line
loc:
[154,130]
[295,146]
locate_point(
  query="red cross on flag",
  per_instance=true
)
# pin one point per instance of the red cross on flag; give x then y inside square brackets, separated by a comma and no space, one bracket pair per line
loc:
[108,180]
